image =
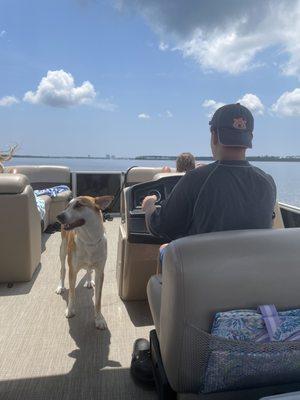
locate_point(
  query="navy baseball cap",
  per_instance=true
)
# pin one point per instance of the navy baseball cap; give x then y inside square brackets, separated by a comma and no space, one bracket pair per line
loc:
[234,125]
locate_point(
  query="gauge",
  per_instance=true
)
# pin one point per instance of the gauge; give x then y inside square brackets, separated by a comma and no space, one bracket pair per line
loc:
[155,193]
[141,194]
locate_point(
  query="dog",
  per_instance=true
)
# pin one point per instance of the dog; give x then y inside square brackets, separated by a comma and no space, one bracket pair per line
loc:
[84,245]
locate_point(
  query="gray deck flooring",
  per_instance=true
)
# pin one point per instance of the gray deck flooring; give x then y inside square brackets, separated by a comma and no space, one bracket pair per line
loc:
[45,356]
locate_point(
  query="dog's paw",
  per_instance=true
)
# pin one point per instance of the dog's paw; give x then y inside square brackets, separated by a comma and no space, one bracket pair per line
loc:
[100,322]
[89,284]
[60,290]
[70,312]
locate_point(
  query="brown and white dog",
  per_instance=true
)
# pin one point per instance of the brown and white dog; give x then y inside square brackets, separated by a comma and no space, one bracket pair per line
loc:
[84,245]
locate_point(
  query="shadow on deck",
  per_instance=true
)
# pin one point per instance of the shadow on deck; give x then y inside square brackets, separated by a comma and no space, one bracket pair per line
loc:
[93,375]
[139,312]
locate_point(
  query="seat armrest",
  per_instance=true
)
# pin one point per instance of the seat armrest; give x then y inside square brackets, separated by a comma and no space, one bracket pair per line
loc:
[13,183]
[63,196]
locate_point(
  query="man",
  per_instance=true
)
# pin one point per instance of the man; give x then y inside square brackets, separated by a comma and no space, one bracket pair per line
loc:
[228,194]
[185,162]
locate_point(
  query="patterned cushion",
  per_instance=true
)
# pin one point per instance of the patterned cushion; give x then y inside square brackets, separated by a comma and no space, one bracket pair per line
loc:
[248,325]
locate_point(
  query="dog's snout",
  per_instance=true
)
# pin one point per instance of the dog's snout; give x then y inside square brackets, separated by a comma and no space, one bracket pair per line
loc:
[61,217]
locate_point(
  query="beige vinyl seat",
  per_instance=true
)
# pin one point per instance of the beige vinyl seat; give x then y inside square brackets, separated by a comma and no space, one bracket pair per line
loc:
[144,174]
[213,272]
[164,174]
[46,176]
[20,229]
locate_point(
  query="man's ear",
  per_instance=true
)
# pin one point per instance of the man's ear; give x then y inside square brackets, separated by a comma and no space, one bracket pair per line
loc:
[102,202]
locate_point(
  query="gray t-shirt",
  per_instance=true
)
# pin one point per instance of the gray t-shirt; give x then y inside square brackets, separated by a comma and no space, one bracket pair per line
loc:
[221,196]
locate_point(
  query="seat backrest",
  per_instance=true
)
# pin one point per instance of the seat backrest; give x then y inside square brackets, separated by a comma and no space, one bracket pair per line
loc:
[143,174]
[20,229]
[43,176]
[165,174]
[220,271]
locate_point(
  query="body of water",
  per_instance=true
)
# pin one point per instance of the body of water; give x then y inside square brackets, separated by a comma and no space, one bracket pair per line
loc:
[285,174]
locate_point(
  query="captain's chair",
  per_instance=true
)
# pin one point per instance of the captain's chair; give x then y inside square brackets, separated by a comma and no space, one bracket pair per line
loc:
[213,272]
[144,174]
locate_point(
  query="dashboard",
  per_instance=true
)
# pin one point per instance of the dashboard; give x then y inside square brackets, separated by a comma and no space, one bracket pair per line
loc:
[161,188]
[140,194]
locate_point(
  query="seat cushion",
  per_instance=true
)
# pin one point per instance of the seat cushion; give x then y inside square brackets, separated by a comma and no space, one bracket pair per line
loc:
[44,176]
[63,196]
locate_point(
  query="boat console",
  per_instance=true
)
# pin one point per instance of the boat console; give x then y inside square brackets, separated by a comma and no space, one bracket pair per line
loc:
[135,217]
[137,247]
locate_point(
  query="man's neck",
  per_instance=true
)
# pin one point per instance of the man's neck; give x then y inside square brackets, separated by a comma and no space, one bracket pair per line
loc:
[232,154]
[231,158]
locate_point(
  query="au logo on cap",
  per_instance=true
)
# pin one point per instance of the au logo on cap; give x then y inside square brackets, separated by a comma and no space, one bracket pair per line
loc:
[239,123]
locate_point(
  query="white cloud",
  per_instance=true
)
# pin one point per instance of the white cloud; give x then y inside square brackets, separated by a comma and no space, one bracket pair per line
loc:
[288,104]
[249,100]
[222,52]
[169,114]
[163,46]
[2,33]
[252,102]
[8,101]
[227,36]
[144,116]
[58,89]
[212,106]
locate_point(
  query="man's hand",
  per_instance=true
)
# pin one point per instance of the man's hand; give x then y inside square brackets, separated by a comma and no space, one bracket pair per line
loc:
[149,203]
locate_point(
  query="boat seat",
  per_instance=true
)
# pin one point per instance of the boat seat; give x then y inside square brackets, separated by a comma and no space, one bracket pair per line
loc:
[20,229]
[208,273]
[43,177]
[164,174]
[143,174]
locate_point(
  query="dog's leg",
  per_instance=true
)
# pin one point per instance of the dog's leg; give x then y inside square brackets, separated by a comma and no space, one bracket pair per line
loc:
[99,319]
[70,311]
[89,282]
[62,253]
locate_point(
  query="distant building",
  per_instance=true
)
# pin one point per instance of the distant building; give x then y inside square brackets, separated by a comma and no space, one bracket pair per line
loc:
[107,156]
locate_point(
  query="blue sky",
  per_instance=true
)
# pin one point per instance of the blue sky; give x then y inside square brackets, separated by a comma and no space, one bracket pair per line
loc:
[149,77]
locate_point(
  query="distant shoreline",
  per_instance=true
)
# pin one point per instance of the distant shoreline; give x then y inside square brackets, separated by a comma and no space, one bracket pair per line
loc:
[75,157]
[162,158]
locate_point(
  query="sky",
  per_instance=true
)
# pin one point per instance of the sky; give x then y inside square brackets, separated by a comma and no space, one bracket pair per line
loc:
[140,77]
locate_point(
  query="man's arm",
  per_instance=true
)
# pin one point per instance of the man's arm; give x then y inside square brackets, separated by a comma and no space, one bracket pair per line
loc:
[173,218]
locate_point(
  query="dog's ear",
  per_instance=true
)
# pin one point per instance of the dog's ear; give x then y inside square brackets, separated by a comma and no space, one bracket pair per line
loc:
[103,202]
